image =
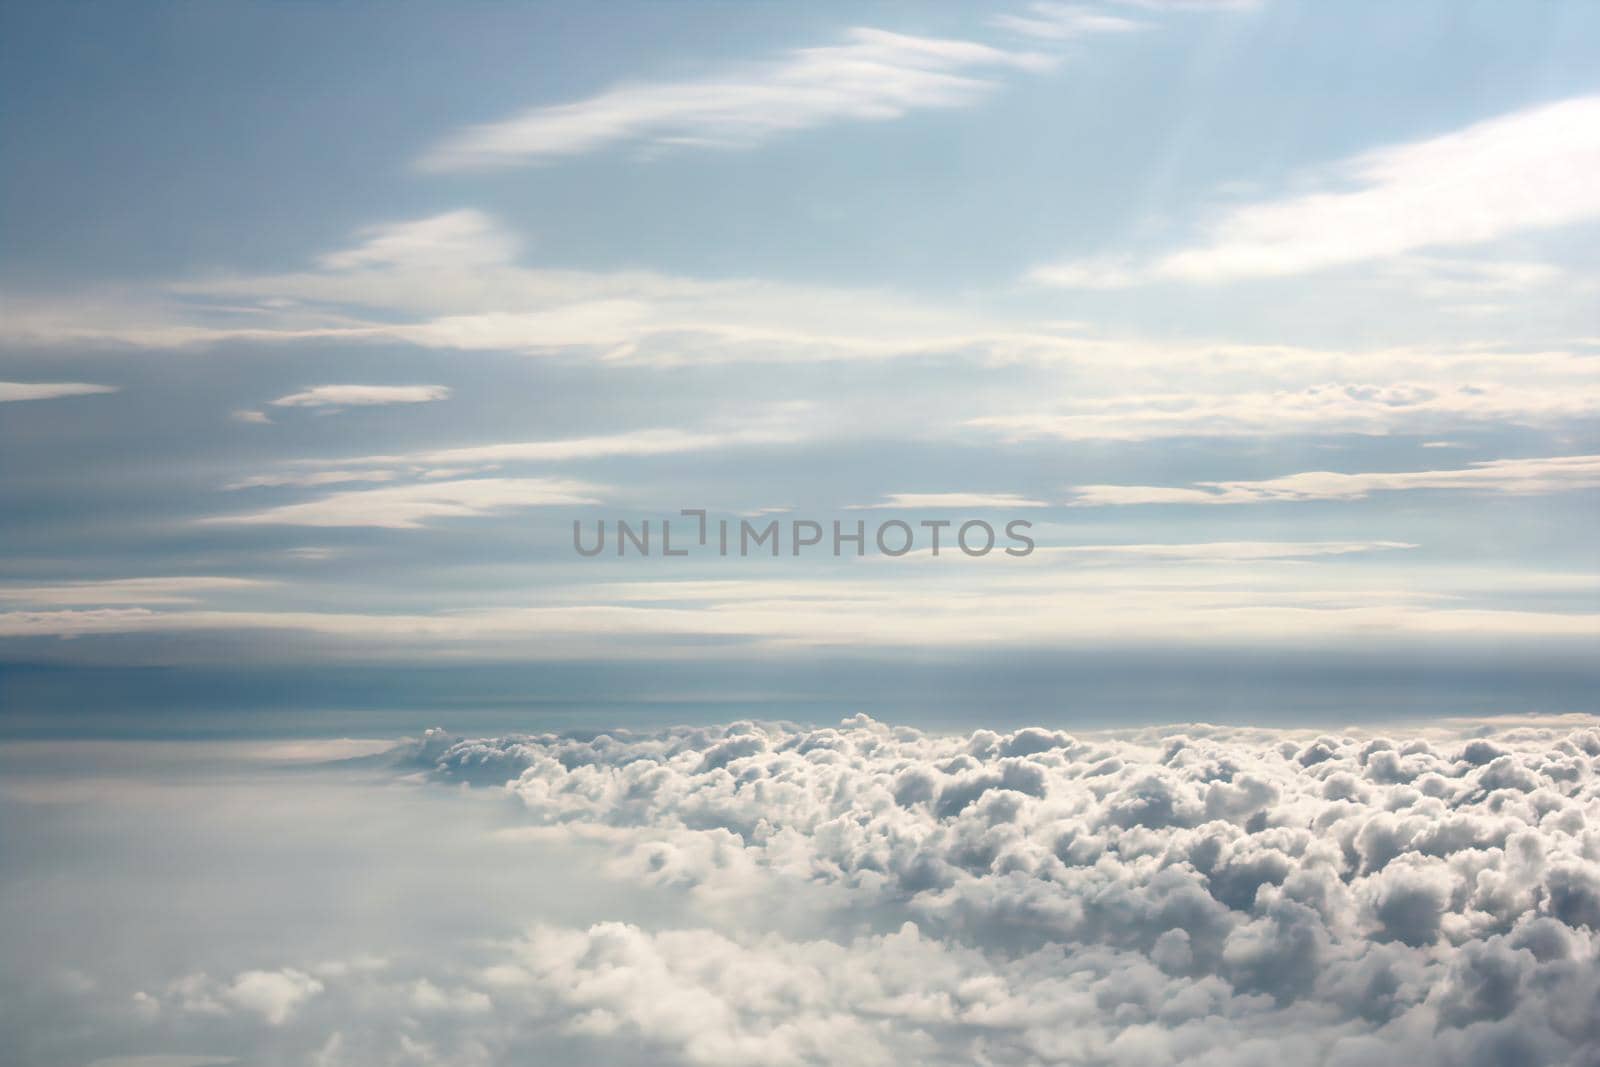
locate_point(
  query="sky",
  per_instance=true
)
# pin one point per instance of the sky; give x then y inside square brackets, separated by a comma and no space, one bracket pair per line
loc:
[322,325]
[1259,335]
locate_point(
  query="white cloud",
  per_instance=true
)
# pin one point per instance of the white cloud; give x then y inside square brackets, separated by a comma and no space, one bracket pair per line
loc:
[274,995]
[1227,550]
[314,478]
[453,281]
[1526,170]
[775,427]
[873,76]
[165,590]
[361,396]
[951,501]
[1060,22]
[251,415]
[1226,595]
[1555,474]
[1182,895]
[647,442]
[1456,278]
[453,240]
[1193,5]
[144,316]
[1188,895]
[1326,408]
[164,1060]
[1203,552]
[10,391]
[1100,273]
[408,506]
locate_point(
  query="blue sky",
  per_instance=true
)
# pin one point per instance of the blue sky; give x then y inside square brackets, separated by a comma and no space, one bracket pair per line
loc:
[322,325]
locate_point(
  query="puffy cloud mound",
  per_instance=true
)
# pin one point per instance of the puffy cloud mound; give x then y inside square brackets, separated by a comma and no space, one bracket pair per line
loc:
[769,894]
[1209,896]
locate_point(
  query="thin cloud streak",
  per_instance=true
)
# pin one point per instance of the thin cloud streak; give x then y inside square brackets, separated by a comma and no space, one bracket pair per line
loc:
[1212,551]
[983,501]
[1556,474]
[407,507]
[1327,408]
[16,391]
[648,442]
[1240,598]
[326,396]
[1064,22]
[873,76]
[453,282]
[161,590]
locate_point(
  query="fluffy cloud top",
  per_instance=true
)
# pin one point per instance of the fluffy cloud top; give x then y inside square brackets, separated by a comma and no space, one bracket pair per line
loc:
[866,894]
[1205,896]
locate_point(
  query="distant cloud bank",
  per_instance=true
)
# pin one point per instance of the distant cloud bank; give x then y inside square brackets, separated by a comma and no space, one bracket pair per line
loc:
[1180,895]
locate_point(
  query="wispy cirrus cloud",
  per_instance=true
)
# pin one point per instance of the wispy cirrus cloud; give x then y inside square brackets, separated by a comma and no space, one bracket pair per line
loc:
[341,396]
[1227,598]
[455,282]
[308,479]
[1123,559]
[1555,474]
[644,442]
[11,391]
[1329,407]
[1062,22]
[404,507]
[442,463]
[162,1059]
[1223,551]
[1529,169]
[182,589]
[872,76]
[1193,5]
[951,500]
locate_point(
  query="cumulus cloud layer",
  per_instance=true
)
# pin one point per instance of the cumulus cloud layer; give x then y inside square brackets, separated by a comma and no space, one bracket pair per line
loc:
[866,894]
[1204,896]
